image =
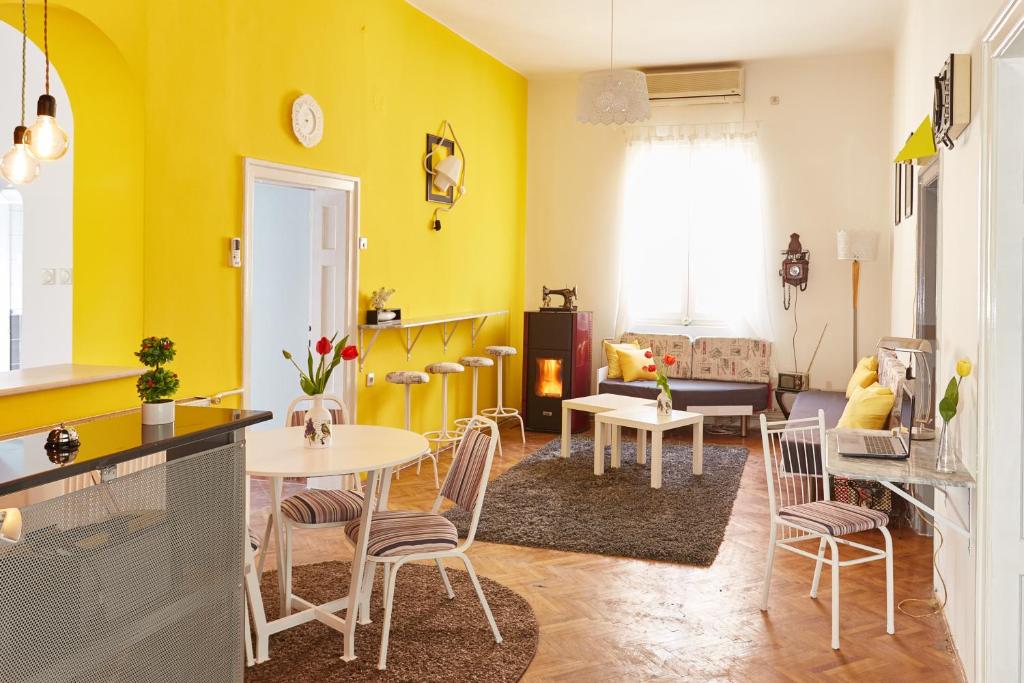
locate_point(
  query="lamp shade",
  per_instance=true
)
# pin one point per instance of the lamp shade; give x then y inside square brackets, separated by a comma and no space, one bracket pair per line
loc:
[856,245]
[613,96]
[10,528]
[920,145]
[447,173]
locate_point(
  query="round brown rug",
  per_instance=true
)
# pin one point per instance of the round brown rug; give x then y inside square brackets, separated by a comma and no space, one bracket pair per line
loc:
[432,638]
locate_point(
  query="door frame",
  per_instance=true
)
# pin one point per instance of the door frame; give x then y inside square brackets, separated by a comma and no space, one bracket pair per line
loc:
[1005,29]
[258,170]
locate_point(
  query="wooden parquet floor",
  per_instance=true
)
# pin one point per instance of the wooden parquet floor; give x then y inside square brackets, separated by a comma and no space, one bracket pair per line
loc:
[614,619]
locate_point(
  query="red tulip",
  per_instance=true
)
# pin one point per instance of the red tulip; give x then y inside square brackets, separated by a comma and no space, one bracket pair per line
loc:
[652,368]
[669,359]
[323,347]
[349,353]
[648,354]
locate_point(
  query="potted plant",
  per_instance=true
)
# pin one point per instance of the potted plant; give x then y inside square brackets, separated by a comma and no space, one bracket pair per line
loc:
[948,449]
[157,384]
[313,382]
[379,301]
[665,395]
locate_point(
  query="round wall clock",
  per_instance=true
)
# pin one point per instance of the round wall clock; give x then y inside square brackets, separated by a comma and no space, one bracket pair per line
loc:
[307,120]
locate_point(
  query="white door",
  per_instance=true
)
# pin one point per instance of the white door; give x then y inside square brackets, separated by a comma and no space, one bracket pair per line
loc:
[1002,571]
[300,274]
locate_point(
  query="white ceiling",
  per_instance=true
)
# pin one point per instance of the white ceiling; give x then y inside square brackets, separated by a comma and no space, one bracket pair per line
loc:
[538,37]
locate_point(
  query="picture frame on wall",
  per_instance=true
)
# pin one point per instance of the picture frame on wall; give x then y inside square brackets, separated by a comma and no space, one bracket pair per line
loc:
[898,192]
[437,149]
[908,190]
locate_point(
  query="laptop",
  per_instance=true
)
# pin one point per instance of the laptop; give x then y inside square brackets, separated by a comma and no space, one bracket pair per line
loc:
[881,445]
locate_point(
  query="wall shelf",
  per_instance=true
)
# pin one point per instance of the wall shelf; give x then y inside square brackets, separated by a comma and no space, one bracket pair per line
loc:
[409,331]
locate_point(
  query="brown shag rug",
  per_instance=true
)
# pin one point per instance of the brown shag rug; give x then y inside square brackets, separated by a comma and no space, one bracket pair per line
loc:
[547,502]
[432,638]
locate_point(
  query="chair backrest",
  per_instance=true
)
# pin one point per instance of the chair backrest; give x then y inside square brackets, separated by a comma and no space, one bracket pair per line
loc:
[793,461]
[466,482]
[297,418]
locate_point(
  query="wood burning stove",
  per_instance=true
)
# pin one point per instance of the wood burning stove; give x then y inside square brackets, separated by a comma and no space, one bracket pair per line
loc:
[557,366]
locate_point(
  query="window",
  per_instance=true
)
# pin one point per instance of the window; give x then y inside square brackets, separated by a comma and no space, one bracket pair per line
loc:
[692,228]
[11,240]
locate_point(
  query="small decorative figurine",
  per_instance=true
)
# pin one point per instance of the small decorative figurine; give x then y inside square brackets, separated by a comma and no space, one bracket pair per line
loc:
[62,444]
[568,295]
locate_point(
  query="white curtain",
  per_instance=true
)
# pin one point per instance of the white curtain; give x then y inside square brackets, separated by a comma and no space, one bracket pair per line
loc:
[693,229]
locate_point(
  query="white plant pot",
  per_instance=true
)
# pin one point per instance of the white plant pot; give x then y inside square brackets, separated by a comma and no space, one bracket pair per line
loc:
[317,432]
[384,316]
[159,413]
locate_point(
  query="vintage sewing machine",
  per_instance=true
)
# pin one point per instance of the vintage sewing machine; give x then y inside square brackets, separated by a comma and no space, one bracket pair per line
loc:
[568,299]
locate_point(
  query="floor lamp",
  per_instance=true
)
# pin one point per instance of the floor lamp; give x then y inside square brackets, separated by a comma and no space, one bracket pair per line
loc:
[856,246]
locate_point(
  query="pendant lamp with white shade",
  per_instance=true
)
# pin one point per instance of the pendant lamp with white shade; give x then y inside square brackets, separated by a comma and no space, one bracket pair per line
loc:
[613,95]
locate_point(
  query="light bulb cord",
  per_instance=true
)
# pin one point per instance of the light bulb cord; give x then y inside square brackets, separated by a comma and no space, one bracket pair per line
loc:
[611,39]
[46,41]
[24,43]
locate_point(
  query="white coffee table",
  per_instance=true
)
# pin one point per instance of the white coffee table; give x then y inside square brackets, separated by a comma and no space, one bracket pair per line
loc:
[598,403]
[646,419]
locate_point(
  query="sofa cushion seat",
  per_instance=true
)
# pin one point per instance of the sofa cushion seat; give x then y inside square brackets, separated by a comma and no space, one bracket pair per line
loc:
[695,392]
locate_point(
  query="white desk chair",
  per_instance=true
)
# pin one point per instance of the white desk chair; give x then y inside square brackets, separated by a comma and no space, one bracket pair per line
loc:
[398,536]
[798,498]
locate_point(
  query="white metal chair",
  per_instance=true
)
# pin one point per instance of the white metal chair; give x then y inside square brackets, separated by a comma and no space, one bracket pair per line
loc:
[501,411]
[444,437]
[801,509]
[253,603]
[397,537]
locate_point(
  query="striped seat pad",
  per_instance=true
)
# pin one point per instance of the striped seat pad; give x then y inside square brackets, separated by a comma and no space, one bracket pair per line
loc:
[254,540]
[323,506]
[833,518]
[394,533]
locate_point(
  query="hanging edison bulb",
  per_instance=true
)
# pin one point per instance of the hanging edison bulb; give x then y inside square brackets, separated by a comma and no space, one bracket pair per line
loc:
[18,165]
[45,138]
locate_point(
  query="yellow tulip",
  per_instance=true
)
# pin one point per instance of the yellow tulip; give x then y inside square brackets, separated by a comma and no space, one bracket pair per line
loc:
[963,367]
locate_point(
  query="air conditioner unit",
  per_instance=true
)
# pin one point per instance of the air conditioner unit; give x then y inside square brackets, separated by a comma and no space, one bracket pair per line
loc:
[718,85]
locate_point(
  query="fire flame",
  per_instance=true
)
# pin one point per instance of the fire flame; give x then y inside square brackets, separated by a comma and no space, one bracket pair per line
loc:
[549,377]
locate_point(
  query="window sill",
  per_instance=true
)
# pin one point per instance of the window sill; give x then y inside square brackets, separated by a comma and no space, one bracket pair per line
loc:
[693,330]
[48,377]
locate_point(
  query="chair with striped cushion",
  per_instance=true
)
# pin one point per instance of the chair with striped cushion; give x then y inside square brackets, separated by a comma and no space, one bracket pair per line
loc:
[798,498]
[398,536]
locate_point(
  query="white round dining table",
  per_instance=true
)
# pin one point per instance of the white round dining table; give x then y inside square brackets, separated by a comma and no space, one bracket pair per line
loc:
[355,449]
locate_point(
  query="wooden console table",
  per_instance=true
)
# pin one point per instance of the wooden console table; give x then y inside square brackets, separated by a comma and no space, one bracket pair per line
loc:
[447,323]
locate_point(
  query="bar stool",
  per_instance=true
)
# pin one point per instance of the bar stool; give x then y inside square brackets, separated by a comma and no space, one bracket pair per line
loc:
[443,438]
[475,363]
[500,411]
[408,378]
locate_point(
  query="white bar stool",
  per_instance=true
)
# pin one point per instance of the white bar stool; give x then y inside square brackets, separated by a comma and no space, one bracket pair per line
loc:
[474,363]
[443,438]
[500,411]
[408,378]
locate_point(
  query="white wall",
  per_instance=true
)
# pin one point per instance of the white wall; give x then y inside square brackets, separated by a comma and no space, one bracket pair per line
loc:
[932,29]
[48,206]
[826,154]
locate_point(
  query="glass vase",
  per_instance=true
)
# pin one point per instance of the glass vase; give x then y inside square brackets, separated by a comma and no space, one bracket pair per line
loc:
[948,451]
[318,424]
[664,404]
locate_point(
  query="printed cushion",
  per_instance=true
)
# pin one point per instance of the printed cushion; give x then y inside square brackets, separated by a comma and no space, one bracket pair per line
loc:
[635,364]
[678,345]
[892,373]
[612,357]
[864,375]
[833,518]
[868,408]
[476,361]
[398,532]
[732,359]
[501,350]
[444,368]
[323,506]
[407,377]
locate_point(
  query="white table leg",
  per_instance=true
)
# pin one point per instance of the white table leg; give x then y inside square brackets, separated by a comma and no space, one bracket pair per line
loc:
[276,486]
[655,459]
[565,432]
[616,445]
[641,446]
[598,447]
[358,560]
[385,489]
[698,447]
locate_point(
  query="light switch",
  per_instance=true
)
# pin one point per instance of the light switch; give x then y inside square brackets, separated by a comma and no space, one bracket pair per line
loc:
[65,276]
[370,379]
[364,242]
[49,276]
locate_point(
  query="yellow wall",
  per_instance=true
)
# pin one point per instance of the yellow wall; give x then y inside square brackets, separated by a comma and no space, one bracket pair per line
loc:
[216,82]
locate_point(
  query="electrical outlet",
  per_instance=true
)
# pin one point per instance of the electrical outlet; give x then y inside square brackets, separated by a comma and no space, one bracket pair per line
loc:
[370,379]
[364,243]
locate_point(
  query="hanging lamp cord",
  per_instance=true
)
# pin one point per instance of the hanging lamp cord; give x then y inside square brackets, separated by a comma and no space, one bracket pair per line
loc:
[611,40]
[46,41]
[24,42]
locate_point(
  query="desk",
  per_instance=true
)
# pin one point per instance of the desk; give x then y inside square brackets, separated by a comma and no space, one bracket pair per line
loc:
[280,453]
[918,469]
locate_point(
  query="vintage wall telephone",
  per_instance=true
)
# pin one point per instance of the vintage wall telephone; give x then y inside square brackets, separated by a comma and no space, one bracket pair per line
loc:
[795,266]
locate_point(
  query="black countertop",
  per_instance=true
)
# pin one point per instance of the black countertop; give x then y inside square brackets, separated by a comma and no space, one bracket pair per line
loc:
[24,462]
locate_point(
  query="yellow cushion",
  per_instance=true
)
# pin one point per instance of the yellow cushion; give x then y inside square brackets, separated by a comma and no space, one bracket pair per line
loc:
[865,375]
[868,408]
[635,364]
[614,371]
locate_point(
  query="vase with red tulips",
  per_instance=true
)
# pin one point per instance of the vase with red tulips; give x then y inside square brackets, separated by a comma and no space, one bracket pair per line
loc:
[313,381]
[664,403]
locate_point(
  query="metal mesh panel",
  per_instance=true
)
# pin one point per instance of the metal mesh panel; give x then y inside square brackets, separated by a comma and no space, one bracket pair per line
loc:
[130,581]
